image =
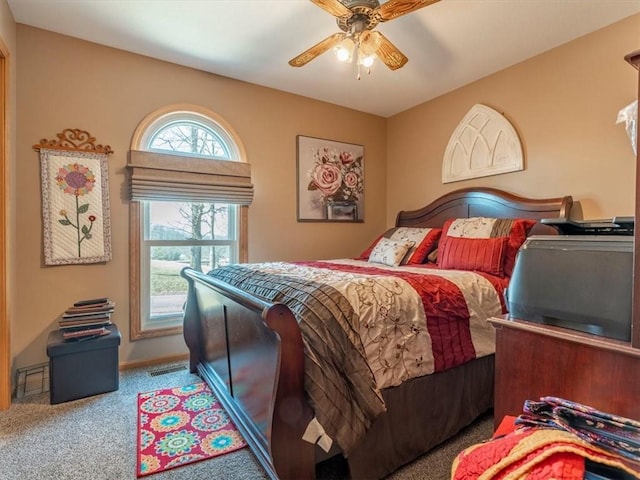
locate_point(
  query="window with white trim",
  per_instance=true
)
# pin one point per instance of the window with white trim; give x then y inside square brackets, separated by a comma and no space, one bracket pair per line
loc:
[188,186]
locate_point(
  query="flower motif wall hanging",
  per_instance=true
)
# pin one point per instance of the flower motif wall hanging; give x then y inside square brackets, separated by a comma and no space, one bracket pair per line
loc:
[330,180]
[75,199]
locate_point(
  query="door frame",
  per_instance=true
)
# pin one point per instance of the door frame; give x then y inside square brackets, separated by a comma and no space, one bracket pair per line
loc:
[5,331]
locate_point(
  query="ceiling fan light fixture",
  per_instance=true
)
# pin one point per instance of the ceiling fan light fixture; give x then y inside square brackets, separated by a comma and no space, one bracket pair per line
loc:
[357,19]
[366,60]
[344,50]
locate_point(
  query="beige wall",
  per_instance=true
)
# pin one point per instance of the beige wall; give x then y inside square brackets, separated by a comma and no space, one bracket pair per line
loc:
[68,83]
[563,104]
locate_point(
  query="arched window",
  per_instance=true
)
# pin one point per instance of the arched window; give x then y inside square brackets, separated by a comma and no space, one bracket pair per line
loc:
[191,133]
[190,188]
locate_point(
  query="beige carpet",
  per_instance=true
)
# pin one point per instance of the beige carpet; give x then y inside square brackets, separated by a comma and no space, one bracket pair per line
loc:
[95,438]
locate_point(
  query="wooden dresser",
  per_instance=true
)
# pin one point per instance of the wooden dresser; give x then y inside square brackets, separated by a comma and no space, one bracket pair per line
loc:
[535,360]
[634,60]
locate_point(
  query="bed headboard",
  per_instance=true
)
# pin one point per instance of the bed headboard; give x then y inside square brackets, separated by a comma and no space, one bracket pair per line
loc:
[486,202]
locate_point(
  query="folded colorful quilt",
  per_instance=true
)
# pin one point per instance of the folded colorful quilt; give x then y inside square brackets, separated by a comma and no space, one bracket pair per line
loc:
[535,454]
[369,327]
[613,433]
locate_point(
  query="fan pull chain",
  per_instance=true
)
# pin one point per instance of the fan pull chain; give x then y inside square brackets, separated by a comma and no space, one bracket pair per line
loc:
[358,74]
[359,63]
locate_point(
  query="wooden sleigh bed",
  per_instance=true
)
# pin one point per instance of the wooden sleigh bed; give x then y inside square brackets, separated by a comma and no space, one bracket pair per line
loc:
[251,354]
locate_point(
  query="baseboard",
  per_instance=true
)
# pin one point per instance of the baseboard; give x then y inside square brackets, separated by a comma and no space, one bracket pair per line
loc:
[153,361]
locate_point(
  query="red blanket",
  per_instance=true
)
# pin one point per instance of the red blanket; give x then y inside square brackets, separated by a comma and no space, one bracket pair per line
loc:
[533,454]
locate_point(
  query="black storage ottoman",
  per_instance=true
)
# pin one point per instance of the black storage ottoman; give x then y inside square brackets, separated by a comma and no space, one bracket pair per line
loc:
[81,368]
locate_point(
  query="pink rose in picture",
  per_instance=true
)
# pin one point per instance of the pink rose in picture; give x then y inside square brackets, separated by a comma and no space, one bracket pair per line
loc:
[327,178]
[346,158]
[336,175]
[350,180]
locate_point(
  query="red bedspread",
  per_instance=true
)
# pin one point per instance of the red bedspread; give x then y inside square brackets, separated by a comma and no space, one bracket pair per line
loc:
[445,307]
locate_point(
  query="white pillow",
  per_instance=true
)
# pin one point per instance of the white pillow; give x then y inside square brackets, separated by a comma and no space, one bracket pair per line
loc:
[390,252]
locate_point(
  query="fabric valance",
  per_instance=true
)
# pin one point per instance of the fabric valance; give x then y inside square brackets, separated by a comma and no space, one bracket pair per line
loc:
[168,177]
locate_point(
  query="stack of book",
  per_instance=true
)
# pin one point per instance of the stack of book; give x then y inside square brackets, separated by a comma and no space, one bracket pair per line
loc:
[86,319]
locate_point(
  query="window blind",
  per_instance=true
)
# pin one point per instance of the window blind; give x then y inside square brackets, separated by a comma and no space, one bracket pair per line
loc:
[168,177]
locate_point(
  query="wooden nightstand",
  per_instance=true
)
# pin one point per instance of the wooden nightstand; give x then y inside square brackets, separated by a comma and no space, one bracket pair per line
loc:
[535,360]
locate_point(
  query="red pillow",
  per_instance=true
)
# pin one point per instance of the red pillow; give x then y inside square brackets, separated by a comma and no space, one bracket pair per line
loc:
[518,234]
[515,230]
[481,254]
[418,254]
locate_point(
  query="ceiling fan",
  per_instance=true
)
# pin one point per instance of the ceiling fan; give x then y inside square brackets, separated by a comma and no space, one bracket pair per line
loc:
[357,20]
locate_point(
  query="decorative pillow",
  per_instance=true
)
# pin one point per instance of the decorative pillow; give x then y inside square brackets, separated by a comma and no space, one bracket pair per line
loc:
[365,255]
[424,240]
[481,254]
[515,230]
[389,252]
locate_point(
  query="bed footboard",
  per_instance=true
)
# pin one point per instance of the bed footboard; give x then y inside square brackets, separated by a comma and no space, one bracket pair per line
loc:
[250,353]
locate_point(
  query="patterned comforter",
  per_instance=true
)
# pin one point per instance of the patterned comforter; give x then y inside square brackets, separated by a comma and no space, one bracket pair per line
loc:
[370,327]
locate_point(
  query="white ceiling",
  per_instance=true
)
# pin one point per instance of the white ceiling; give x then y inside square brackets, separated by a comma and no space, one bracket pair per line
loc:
[449,44]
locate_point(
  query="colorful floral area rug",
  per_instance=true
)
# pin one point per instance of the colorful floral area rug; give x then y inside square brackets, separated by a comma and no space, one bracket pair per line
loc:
[178,426]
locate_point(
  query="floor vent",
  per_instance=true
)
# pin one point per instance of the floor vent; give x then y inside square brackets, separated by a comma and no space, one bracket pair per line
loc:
[163,370]
[32,380]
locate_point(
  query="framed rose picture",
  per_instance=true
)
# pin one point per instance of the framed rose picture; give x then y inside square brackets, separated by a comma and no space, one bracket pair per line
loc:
[330,180]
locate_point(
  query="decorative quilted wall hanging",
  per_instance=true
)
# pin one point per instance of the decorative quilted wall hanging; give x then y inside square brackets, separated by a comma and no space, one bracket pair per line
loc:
[75,199]
[484,143]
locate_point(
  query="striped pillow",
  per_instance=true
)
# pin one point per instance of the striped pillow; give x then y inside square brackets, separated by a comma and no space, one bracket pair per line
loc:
[480,254]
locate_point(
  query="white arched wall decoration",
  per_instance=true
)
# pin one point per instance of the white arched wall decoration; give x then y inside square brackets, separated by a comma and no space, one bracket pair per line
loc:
[484,143]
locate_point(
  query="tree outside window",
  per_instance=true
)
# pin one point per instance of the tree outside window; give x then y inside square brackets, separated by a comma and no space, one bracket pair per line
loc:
[178,234]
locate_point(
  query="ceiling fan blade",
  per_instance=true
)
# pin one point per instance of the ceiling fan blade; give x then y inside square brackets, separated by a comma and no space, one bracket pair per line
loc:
[387,51]
[318,49]
[396,8]
[369,42]
[334,7]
